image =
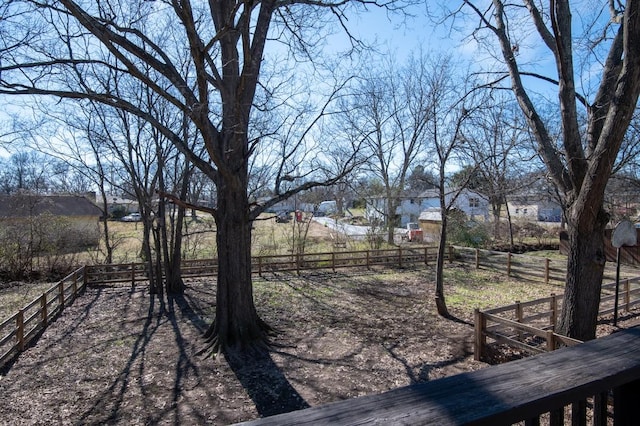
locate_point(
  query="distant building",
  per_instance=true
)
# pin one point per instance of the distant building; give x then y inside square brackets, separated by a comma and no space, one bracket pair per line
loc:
[411,207]
[534,207]
[120,206]
[68,220]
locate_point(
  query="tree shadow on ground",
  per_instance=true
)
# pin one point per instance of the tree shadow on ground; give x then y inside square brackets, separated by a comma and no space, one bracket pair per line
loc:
[265,382]
[425,370]
[106,407]
[459,320]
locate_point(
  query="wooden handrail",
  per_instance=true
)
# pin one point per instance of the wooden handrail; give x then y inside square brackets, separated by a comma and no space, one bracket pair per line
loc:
[517,391]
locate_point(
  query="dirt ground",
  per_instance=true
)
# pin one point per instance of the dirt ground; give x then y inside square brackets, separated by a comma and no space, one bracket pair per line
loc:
[114,357]
[117,356]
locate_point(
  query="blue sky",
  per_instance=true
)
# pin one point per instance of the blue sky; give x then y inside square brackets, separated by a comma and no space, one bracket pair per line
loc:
[401,38]
[404,37]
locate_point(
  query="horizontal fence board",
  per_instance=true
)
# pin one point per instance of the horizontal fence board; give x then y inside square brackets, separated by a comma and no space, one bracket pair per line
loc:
[27,323]
[5,339]
[501,338]
[537,317]
[517,325]
[8,355]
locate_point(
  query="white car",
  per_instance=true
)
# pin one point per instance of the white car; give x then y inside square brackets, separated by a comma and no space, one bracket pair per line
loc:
[132,217]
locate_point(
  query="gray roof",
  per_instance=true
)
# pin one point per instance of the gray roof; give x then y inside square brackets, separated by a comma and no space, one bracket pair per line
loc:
[25,205]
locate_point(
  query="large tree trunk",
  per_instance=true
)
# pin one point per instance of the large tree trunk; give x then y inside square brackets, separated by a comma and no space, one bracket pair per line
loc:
[496,209]
[441,304]
[585,269]
[237,325]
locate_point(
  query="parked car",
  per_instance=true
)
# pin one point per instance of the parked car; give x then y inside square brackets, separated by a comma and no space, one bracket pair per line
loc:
[413,233]
[132,217]
[283,217]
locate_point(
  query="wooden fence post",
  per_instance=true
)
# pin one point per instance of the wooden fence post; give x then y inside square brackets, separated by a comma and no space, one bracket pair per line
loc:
[509,264]
[450,254]
[133,274]
[477,258]
[298,263]
[426,256]
[546,271]
[553,308]
[20,330]
[260,266]
[43,309]
[627,295]
[333,261]
[519,316]
[480,338]
[551,341]
[61,294]
[400,257]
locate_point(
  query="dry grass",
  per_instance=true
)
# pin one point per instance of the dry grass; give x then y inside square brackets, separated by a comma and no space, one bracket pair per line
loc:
[15,295]
[269,238]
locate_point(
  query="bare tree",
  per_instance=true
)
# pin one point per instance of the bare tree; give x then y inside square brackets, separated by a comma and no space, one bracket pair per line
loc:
[581,164]
[499,147]
[75,44]
[453,101]
[25,171]
[390,112]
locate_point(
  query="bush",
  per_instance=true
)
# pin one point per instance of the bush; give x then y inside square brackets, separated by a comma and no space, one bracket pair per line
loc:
[37,247]
[461,231]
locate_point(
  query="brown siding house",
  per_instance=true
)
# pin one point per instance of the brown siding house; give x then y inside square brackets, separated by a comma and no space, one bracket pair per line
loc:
[72,219]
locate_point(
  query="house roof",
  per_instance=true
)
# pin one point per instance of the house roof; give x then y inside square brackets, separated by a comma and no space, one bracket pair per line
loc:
[435,193]
[431,215]
[25,205]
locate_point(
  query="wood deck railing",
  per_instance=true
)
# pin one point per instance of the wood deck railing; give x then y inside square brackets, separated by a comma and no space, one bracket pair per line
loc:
[598,380]
[17,331]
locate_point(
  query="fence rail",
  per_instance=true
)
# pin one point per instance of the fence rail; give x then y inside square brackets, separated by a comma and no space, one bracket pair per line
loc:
[530,325]
[515,265]
[17,331]
[403,256]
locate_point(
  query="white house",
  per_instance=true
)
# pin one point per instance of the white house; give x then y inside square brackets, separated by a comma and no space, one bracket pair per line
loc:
[534,207]
[473,204]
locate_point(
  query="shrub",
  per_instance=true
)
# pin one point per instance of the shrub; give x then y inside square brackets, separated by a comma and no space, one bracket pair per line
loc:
[465,232]
[37,247]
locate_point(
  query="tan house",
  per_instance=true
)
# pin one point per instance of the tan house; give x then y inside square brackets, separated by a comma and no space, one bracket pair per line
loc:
[68,221]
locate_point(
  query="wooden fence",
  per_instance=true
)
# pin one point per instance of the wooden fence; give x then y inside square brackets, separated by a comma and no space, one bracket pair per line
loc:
[403,256]
[518,266]
[17,331]
[530,325]
[26,323]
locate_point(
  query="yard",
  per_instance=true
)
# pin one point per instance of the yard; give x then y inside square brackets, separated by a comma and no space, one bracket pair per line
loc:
[117,356]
